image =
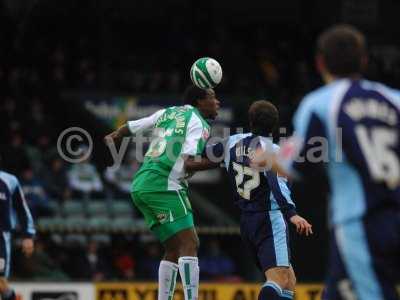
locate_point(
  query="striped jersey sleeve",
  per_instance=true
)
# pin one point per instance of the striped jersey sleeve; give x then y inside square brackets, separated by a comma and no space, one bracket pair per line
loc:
[281,194]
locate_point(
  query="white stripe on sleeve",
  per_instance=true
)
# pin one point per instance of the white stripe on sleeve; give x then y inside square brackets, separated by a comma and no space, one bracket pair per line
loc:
[194,133]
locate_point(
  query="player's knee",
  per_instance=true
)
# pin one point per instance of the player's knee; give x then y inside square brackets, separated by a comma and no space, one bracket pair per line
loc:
[171,256]
[171,252]
[189,247]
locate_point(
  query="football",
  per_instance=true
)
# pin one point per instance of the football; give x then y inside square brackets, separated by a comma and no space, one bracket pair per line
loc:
[206,73]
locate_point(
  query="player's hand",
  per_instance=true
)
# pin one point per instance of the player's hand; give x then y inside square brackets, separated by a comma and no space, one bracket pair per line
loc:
[28,246]
[302,226]
[111,138]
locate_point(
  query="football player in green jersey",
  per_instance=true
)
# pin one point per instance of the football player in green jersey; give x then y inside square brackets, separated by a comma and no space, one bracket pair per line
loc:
[159,188]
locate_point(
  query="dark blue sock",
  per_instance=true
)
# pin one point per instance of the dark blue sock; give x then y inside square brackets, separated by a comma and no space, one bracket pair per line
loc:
[9,295]
[272,291]
[286,294]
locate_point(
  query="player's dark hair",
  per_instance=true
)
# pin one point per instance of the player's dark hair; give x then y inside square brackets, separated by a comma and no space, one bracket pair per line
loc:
[343,49]
[192,94]
[263,117]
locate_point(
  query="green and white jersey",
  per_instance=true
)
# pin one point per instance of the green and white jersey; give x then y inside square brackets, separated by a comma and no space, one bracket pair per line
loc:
[177,131]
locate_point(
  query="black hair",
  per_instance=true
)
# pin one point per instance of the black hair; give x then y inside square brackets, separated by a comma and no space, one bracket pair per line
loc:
[343,49]
[192,94]
[263,117]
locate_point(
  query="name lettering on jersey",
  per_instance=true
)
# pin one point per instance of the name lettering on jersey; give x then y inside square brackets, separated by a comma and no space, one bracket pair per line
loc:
[179,119]
[171,116]
[244,151]
[180,123]
[358,109]
[161,119]
[3,196]
[165,117]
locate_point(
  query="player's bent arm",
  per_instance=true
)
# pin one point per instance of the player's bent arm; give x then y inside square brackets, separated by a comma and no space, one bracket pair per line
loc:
[290,212]
[211,158]
[282,194]
[194,164]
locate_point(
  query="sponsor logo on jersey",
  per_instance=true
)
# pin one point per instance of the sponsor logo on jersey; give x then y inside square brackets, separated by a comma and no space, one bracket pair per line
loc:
[205,135]
[3,196]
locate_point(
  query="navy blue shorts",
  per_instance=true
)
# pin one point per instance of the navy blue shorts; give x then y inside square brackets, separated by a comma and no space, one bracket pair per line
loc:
[365,259]
[266,235]
[5,253]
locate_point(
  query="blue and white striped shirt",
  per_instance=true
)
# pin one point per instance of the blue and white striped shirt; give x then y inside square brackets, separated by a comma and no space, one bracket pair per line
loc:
[255,190]
[356,125]
[13,206]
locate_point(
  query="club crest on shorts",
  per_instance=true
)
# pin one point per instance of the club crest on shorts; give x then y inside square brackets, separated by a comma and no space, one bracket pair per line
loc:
[162,217]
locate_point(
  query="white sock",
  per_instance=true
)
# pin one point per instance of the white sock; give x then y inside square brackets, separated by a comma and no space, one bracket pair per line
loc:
[167,273]
[189,270]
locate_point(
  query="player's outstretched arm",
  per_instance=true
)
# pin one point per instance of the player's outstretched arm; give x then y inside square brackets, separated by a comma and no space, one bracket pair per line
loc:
[117,135]
[302,225]
[132,127]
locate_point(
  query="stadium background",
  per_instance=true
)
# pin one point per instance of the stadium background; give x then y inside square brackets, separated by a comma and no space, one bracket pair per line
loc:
[94,63]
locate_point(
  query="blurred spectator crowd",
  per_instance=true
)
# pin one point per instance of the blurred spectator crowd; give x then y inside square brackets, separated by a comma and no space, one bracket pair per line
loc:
[101,257]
